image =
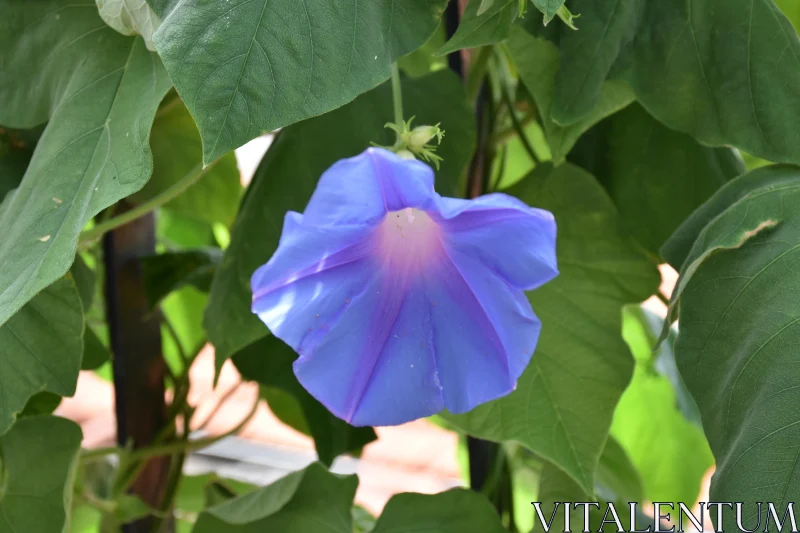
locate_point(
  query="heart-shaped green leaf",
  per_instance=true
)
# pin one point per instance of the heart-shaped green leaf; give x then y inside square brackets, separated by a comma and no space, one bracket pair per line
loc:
[98,91]
[246,67]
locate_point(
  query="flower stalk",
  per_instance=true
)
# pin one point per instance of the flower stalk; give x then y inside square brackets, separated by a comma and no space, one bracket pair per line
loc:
[411,143]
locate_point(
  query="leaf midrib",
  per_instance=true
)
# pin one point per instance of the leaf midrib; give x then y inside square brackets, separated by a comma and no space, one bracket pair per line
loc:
[239,79]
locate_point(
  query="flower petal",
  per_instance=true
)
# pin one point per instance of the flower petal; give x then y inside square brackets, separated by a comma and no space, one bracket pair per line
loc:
[404,347]
[291,222]
[376,366]
[484,331]
[517,241]
[362,189]
[399,302]
[310,270]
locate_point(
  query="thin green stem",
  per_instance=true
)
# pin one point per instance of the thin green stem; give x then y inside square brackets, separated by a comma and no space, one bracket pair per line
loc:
[511,132]
[397,98]
[175,190]
[497,177]
[181,352]
[106,506]
[506,86]
[518,127]
[173,480]
[171,447]
[220,404]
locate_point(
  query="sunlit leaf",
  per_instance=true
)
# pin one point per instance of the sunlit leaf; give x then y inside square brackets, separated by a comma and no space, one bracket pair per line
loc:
[654,423]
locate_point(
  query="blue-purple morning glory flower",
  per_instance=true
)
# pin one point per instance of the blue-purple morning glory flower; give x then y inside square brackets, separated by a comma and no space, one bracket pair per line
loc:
[400,302]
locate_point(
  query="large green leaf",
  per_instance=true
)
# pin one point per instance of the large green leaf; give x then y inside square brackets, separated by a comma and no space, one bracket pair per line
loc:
[724,71]
[178,152]
[587,55]
[269,361]
[99,90]
[38,457]
[309,501]
[656,176]
[564,402]
[245,67]
[454,511]
[40,349]
[538,62]
[738,296]
[491,26]
[288,174]
[669,449]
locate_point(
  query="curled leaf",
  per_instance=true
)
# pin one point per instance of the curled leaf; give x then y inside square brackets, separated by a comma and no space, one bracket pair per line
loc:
[130,17]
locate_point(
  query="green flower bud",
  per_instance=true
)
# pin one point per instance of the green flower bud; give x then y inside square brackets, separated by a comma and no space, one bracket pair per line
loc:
[405,154]
[422,135]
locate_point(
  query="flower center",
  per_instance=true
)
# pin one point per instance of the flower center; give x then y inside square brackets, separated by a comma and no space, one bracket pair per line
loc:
[407,238]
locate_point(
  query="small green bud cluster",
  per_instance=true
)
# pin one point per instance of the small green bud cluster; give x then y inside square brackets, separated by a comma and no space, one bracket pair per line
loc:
[417,142]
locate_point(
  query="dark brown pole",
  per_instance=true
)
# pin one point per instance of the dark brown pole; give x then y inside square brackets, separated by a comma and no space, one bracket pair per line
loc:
[138,364]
